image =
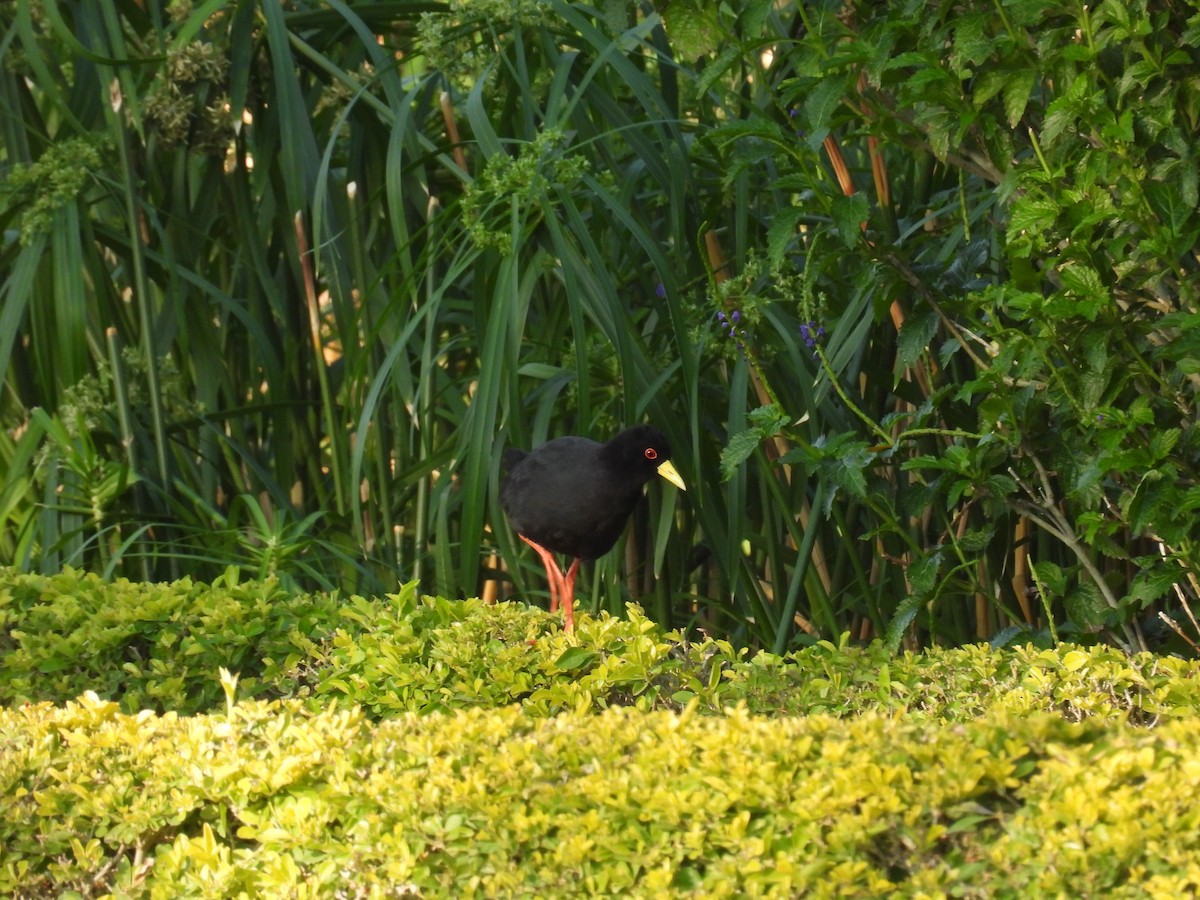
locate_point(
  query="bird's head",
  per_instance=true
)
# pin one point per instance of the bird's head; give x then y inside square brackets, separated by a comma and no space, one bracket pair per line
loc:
[645,450]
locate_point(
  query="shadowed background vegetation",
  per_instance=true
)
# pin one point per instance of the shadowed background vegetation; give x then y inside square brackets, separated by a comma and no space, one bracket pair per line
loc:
[912,290]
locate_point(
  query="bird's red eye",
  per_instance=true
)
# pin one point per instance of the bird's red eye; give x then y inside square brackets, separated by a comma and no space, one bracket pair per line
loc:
[651,453]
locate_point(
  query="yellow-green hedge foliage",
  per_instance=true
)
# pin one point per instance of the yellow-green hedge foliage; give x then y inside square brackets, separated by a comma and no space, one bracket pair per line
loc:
[508,653]
[949,684]
[151,646]
[159,647]
[269,799]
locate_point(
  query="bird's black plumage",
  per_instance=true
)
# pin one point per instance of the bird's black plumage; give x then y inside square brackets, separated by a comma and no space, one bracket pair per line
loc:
[573,495]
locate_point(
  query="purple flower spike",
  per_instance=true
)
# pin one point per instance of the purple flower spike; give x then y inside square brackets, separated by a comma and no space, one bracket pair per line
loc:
[811,333]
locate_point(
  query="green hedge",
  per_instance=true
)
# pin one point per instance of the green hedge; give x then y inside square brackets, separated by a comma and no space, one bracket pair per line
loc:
[428,654]
[413,744]
[151,646]
[159,647]
[271,799]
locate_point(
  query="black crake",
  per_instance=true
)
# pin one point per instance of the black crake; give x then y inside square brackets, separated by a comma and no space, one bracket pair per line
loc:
[573,495]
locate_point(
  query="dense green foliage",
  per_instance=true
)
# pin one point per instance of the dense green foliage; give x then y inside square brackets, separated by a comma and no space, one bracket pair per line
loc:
[151,646]
[910,286]
[271,800]
[159,647]
[414,744]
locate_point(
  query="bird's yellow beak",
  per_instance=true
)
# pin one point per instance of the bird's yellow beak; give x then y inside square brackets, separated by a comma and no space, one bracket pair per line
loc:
[669,472]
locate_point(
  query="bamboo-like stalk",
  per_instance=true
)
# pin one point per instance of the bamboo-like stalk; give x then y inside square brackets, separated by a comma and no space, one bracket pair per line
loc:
[333,434]
[137,238]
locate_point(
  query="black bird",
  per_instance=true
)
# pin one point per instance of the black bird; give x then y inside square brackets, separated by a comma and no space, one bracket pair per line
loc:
[572,495]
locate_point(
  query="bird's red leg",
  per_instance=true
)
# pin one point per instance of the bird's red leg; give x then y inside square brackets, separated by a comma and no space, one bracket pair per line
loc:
[554,574]
[568,596]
